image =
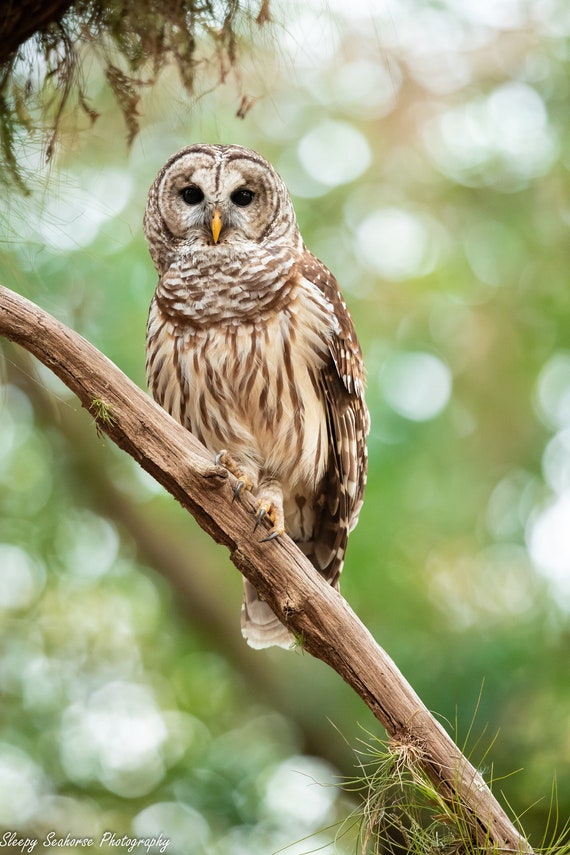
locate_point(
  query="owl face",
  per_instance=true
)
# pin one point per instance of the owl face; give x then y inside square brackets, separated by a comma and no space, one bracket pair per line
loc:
[219,197]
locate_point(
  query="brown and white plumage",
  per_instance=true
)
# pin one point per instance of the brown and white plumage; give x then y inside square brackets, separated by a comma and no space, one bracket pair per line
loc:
[251,347]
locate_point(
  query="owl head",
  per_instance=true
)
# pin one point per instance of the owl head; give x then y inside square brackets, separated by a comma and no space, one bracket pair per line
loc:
[217,198]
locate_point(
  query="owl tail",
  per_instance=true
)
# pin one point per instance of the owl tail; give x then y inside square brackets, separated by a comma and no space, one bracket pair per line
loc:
[259,626]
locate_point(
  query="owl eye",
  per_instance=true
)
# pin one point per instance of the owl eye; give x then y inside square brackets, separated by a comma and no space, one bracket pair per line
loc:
[192,195]
[242,197]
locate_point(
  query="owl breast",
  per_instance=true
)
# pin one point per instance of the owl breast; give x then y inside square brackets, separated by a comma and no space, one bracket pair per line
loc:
[250,382]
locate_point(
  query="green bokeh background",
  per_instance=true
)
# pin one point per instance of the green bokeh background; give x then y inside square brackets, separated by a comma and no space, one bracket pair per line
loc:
[426,149]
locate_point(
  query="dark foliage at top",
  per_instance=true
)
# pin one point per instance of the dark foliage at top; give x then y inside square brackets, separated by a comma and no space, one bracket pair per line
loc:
[42,48]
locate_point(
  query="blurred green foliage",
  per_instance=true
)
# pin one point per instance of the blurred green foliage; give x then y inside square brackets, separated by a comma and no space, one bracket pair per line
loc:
[426,147]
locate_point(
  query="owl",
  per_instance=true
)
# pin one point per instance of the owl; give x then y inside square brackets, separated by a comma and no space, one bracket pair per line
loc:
[250,346]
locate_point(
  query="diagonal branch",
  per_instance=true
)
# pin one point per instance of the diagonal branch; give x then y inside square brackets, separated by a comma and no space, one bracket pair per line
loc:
[281,573]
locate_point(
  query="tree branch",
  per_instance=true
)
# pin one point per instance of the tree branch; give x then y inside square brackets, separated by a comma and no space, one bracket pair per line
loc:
[281,573]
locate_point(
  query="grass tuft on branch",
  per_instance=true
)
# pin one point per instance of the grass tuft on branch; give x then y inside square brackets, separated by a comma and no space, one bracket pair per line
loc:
[401,811]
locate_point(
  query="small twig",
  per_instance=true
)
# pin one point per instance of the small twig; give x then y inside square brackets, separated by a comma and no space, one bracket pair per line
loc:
[281,573]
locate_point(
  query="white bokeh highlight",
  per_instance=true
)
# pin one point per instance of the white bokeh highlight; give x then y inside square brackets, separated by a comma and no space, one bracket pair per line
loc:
[416,385]
[397,244]
[21,785]
[22,578]
[553,391]
[502,138]
[548,543]
[115,736]
[334,153]
[184,827]
[300,791]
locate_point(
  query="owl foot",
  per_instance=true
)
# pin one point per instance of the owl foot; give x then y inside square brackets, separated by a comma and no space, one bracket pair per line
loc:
[269,494]
[271,508]
[275,515]
[244,482]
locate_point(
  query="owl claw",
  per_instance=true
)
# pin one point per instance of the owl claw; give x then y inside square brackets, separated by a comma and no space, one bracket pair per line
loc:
[259,516]
[271,514]
[271,509]
[244,482]
[241,485]
[274,534]
[269,493]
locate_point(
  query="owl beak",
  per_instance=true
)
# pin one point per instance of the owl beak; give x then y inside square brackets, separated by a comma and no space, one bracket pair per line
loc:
[216,225]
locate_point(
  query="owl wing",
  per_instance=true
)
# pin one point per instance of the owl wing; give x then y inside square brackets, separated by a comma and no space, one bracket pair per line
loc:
[342,385]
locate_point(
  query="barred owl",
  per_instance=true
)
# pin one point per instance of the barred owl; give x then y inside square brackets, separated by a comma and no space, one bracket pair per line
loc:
[250,346]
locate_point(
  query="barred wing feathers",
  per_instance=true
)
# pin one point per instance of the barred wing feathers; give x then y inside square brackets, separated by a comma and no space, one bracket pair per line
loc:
[342,385]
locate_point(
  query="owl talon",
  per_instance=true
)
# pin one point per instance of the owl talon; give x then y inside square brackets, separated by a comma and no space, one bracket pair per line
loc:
[259,516]
[244,482]
[274,534]
[271,508]
[239,487]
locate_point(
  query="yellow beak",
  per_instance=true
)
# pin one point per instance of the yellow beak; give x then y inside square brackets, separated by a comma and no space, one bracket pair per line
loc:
[216,225]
